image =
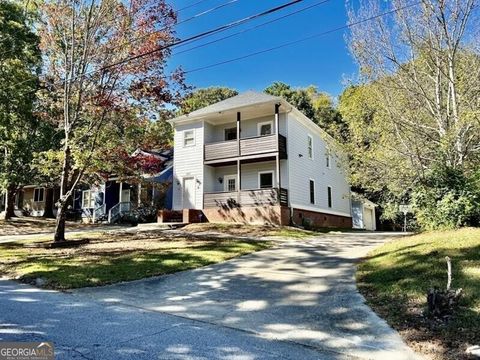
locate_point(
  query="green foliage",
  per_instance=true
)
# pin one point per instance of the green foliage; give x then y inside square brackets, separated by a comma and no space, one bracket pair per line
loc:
[447,200]
[317,106]
[20,59]
[204,97]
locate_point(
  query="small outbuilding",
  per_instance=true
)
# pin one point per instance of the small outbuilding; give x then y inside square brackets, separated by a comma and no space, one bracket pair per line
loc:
[363,213]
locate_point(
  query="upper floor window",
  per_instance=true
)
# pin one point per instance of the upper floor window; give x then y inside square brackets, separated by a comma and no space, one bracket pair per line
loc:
[312,192]
[231,134]
[310,146]
[188,138]
[328,159]
[39,194]
[265,180]
[265,128]
[329,196]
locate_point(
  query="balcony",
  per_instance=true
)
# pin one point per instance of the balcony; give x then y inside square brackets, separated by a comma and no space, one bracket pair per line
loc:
[254,197]
[253,146]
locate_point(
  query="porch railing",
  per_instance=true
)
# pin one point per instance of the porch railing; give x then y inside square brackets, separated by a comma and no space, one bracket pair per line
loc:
[99,212]
[117,210]
[253,197]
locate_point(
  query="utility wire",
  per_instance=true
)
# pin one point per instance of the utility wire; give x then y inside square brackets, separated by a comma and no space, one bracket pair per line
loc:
[251,28]
[186,40]
[299,40]
[191,5]
[218,7]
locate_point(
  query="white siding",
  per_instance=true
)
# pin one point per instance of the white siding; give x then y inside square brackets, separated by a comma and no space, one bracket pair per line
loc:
[302,169]
[248,128]
[188,162]
[249,174]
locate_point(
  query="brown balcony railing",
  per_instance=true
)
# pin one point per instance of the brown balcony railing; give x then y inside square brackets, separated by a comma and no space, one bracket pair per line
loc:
[254,197]
[248,146]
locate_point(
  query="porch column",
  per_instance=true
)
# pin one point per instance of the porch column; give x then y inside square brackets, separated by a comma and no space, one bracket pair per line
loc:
[239,167]
[139,194]
[277,135]
[120,194]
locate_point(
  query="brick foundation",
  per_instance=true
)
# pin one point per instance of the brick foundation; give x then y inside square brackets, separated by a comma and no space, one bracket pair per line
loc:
[166,216]
[259,215]
[321,220]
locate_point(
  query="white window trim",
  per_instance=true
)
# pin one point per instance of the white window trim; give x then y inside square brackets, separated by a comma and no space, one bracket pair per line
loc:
[225,182]
[184,137]
[328,159]
[260,124]
[266,172]
[89,198]
[314,192]
[310,137]
[43,197]
[331,192]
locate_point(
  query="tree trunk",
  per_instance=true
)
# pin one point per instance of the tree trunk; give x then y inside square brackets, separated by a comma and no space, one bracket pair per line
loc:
[60,221]
[10,203]
[48,212]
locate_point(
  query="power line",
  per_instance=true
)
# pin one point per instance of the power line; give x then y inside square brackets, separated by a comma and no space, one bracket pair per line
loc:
[251,28]
[191,5]
[193,17]
[300,40]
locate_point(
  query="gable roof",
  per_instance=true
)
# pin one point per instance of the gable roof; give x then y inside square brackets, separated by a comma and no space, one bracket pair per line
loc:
[249,98]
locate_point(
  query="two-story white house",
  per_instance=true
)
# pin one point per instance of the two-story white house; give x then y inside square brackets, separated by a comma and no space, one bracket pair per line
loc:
[254,158]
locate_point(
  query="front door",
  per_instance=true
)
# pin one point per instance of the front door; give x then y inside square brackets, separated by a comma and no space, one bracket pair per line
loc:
[230,182]
[125,196]
[189,193]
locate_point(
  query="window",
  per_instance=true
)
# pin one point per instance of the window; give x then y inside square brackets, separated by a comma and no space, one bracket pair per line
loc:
[265,180]
[327,158]
[310,146]
[329,196]
[231,134]
[88,199]
[312,192]
[230,182]
[188,138]
[265,128]
[39,195]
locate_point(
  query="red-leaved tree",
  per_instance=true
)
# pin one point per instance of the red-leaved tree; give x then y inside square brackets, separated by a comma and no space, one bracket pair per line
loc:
[89,85]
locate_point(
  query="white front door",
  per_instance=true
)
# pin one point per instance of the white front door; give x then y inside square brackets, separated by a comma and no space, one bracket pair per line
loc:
[125,196]
[189,193]
[230,183]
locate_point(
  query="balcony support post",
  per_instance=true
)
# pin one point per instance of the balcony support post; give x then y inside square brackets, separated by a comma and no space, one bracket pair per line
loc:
[239,168]
[277,156]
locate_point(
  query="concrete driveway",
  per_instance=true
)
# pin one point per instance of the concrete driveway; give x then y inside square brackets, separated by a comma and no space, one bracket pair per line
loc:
[301,293]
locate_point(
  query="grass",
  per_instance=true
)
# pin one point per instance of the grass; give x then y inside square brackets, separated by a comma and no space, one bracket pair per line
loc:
[395,279]
[115,257]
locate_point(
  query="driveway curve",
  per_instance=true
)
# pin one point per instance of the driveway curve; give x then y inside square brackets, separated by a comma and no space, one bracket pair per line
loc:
[300,292]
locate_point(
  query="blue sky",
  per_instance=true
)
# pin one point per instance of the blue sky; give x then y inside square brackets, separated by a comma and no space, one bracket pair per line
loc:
[324,61]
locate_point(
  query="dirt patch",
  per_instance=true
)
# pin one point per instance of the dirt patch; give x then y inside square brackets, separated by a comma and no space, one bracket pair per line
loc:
[32,225]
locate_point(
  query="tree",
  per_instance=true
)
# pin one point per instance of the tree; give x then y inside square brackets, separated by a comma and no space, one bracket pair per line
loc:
[424,62]
[20,62]
[204,97]
[316,105]
[420,80]
[90,84]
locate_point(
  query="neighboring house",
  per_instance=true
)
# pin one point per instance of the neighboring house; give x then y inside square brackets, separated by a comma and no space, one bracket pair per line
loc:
[115,197]
[254,158]
[363,213]
[108,200]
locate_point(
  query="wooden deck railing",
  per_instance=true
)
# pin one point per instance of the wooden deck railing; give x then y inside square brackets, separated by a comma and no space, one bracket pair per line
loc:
[248,146]
[254,197]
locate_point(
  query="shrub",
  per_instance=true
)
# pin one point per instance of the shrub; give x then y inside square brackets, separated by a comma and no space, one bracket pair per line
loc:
[447,200]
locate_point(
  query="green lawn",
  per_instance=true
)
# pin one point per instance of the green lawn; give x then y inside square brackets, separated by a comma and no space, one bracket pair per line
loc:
[396,277]
[115,257]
